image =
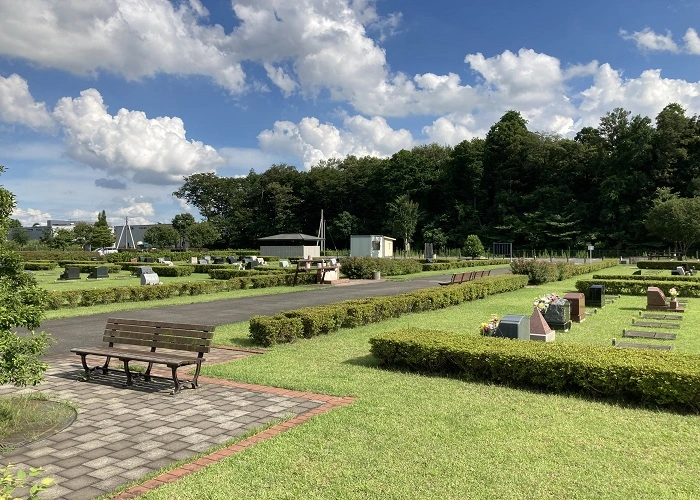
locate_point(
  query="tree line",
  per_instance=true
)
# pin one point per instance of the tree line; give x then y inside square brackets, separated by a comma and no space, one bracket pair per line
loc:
[536,190]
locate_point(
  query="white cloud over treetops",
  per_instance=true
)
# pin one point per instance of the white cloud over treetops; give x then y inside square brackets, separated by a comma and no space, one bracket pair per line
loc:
[305,47]
[648,40]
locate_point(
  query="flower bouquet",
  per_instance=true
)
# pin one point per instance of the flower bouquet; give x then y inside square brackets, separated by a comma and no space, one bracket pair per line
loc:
[489,328]
[542,303]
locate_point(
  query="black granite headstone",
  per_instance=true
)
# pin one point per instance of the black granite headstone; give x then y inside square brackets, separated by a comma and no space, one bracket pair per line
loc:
[596,296]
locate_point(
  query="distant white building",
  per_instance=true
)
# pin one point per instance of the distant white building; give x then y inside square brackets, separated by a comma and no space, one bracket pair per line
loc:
[371,245]
[53,225]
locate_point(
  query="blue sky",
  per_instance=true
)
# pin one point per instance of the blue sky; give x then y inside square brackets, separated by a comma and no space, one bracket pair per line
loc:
[108,104]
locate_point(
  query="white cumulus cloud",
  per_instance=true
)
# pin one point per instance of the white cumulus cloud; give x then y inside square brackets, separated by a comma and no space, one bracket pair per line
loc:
[692,41]
[648,39]
[30,216]
[18,106]
[313,141]
[132,38]
[129,144]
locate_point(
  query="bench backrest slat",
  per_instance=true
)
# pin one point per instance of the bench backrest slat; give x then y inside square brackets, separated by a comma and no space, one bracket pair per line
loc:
[155,334]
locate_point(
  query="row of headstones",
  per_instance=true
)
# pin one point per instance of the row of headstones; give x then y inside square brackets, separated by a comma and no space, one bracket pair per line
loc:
[559,316]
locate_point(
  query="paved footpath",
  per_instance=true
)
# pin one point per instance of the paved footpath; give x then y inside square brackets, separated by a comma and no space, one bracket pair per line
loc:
[123,433]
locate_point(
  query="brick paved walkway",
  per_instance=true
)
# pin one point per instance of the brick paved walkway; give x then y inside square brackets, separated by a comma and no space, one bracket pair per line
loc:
[123,433]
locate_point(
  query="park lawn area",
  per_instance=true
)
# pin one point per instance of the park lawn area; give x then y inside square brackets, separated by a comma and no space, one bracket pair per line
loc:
[415,436]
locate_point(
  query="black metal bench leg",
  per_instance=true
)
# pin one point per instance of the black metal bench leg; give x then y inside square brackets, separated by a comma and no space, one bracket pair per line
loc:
[105,367]
[176,380]
[147,374]
[128,373]
[195,379]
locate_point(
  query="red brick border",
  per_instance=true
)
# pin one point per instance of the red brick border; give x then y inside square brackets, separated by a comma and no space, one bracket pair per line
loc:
[329,402]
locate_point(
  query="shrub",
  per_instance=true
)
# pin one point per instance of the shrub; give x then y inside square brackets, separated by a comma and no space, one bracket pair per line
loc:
[685,288]
[364,267]
[445,265]
[540,272]
[659,264]
[319,320]
[651,378]
[473,247]
[44,265]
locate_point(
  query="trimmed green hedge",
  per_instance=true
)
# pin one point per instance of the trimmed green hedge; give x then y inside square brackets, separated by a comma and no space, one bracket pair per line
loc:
[44,265]
[650,378]
[540,271]
[88,267]
[663,264]
[85,298]
[639,287]
[446,265]
[644,278]
[172,271]
[224,274]
[318,320]
[364,267]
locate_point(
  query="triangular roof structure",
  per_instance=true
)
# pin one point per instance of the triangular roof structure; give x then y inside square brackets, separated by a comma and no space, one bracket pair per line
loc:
[291,237]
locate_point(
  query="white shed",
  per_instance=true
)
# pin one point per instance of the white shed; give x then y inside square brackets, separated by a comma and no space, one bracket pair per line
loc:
[371,245]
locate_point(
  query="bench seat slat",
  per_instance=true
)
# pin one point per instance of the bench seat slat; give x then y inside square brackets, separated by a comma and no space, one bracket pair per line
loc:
[137,355]
[156,337]
[194,347]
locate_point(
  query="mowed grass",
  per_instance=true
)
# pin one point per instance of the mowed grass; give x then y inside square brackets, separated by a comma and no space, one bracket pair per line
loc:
[414,436]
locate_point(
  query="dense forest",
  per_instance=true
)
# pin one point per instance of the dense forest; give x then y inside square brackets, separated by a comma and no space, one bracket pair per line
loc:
[536,190]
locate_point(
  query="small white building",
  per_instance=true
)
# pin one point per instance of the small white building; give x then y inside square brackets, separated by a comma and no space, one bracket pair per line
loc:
[291,245]
[372,245]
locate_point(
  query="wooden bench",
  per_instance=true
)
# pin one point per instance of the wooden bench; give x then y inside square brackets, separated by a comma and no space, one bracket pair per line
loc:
[152,342]
[458,278]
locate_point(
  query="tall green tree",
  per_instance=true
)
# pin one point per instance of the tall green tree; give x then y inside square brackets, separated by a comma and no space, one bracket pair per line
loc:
[19,236]
[403,219]
[82,232]
[202,234]
[180,224]
[676,221]
[101,236]
[23,305]
[161,236]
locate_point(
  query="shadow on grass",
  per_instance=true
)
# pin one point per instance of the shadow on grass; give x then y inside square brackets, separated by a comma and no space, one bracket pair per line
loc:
[368,361]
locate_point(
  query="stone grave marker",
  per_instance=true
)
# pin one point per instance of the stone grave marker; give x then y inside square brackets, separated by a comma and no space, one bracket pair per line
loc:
[513,326]
[578,306]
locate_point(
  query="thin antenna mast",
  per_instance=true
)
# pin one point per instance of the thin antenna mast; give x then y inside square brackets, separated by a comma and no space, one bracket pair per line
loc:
[322,234]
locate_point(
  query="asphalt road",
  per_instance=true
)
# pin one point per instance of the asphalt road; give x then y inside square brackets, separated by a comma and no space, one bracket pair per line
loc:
[86,331]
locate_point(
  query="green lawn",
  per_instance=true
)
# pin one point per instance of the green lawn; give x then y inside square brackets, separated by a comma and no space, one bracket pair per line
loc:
[413,436]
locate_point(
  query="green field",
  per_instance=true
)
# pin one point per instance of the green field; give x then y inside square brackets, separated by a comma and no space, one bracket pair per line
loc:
[414,436]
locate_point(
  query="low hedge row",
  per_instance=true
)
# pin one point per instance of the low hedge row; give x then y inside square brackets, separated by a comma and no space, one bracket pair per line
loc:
[541,271]
[44,265]
[172,271]
[84,298]
[318,320]
[88,267]
[650,378]
[364,267]
[639,287]
[225,274]
[638,277]
[661,264]
[457,264]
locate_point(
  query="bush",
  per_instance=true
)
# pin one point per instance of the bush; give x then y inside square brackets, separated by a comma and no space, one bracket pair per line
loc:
[540,272]
[44,265]
[173,271]
[364,267]
[660,264]
[685,288]
[650,378]
[473,247]
[319,320]
[446,265]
